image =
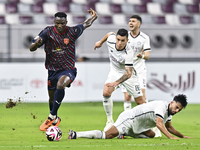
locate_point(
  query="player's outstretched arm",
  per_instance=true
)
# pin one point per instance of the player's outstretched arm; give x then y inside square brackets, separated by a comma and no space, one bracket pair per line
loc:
[87,23]
[35,45]
[100,43]
[173,131]
[161,127]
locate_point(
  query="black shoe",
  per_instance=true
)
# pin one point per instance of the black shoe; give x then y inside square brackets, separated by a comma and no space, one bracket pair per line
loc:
[72,135]
[120,136]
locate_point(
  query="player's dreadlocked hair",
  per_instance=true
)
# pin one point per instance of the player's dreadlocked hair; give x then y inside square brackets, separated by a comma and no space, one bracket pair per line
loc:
[122,32]
[137,17]
[60,15]
[181,99]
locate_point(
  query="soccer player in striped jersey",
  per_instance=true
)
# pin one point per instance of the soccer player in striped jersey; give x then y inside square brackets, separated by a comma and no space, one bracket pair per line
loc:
[138,121]
[121,71]
[59,46]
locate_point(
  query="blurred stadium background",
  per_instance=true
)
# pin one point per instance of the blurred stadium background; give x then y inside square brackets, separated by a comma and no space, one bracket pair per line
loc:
[173,27]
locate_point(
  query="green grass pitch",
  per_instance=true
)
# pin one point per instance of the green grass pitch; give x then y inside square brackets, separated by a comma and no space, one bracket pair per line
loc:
[19,128]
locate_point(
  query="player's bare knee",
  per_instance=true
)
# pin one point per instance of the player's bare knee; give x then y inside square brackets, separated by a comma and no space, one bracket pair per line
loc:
[140,100]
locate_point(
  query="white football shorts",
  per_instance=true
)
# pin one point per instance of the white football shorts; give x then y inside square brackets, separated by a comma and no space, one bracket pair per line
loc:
[131,85]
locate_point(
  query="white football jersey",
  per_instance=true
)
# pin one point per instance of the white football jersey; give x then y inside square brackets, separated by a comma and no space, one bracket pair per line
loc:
[137,44]
[118,58]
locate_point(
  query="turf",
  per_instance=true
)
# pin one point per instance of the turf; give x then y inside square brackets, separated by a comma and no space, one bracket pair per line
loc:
[19,128]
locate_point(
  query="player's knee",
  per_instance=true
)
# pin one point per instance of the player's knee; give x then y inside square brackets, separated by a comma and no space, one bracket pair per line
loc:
[140,100]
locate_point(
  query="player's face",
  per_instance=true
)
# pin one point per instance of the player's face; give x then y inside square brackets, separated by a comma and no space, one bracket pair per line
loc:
[60,24]
[134,24]
[175,107]
[121,42]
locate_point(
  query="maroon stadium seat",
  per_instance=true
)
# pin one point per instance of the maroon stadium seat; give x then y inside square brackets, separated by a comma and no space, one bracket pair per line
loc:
[2,20]
[186,19]
[37,8]
[11,8]
[193,8]
[79,19]
[115,8]
[63,8]
[167,8]
[26,19]
[88,6]
[141,8]
[159,19]
[105,20]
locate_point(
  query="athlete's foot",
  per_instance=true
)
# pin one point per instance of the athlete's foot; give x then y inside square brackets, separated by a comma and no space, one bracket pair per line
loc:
[56,123]
[72,135]
[46,124]
[108,125]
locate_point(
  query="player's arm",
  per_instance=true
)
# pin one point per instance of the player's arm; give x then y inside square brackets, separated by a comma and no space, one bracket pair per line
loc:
[161,127]
[144,55]
[87,23]
[172,130]
[34,46]
[125,76]
[100,43]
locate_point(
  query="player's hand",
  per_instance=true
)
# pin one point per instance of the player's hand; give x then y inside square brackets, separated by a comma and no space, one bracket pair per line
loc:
[174,138]
[39,40]
[92,12]
[140,54]
[186,137]
[97,45]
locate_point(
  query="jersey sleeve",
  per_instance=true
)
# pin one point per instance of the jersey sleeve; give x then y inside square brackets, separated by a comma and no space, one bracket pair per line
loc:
[78,30]
[43,35]
[129,57]
[111,38]
[147,46]
[160,111]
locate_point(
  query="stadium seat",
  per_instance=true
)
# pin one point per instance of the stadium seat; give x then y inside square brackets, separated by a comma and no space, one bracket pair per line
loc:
[49,8]
[76,8]
[196,1]
[12,18]
[2,9]
[39,19]
[193,8]
[79,19]
[63,8]
[186,19]
[52,1]
[92,1]
[24,8]
[79,1]
[159,19]
[2,20]
[185,1]
[117,1]
[11,8]
[50,20]
[27,1]
[64,2]
[26,19]
[105,20]
[127,9]
[37,8]
[172,19]
[39,1]
[141,8]
[146,1]
[158,1]
[154,9]
[134,2]
[171,1]
[115,8]
[180,9]
[196,18]
[88,6]
[102,8]
[12,1]
[167,8]
[119,19]
[146,19]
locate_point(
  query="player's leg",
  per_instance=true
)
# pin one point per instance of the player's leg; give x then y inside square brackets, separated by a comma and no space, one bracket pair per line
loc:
[51,98]
[94,134]
[127,101]
[108,105]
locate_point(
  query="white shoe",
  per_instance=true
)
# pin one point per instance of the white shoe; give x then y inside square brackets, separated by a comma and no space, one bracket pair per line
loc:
[157,132]
[108,125]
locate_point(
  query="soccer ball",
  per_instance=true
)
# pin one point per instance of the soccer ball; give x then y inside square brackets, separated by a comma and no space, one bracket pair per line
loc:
[53,133]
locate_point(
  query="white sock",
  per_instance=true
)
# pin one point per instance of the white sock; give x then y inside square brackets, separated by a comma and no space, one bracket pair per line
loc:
[108,106]
[52,116]
[94,134]
[127,105]
[146,100]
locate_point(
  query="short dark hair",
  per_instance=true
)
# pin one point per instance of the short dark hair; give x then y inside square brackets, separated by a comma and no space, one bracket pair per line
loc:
[137,17]
[181,99]
[122,32]
[60,14]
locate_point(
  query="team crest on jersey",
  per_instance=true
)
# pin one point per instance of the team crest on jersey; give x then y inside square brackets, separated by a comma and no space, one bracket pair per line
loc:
[66,41]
